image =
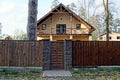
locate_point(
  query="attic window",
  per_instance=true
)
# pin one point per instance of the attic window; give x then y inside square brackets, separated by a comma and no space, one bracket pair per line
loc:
[43,26]
[118,37]
[78,26]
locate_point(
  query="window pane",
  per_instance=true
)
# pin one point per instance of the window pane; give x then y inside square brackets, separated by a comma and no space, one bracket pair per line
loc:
[61,28]
[43,26]
[78,26]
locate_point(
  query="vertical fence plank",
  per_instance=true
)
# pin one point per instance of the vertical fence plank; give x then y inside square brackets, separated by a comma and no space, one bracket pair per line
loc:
[85,53]
[1,52]
[96,53]
[20,53]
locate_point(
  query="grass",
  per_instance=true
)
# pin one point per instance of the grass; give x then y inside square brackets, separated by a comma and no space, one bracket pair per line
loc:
[96,74]
[78,74]
[17,75]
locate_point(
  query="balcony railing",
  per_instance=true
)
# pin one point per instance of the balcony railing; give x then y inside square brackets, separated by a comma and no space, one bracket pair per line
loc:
[64,31]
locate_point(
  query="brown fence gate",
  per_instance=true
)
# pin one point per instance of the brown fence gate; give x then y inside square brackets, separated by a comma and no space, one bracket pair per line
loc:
[57,55]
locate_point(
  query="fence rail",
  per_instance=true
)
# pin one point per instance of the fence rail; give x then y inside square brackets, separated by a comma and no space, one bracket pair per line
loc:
[20,53]
[96,53]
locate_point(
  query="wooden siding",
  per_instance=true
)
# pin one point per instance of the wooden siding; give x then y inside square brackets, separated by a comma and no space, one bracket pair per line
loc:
[62,18]
[20,53]
[57,55]
[94,53]
[81,38]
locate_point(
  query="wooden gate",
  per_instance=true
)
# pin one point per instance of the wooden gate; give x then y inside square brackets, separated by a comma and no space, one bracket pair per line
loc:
[57,55]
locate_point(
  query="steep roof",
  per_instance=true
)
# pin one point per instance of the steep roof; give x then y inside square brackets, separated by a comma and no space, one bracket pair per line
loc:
[61,7]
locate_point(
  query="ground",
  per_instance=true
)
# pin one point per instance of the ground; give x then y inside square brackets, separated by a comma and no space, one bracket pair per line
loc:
[78,74]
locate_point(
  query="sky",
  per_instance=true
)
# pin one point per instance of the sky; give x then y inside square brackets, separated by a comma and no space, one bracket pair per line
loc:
[13,13]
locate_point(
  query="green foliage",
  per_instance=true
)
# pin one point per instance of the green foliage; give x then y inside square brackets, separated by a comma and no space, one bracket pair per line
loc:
[82,13]
[100,69]
[4,72]
[3,36]
[116,69]
[14,73]
[54,3]
[75,71]
[96,74]
[72,7]
[119,30]
[116,24]
[20,35]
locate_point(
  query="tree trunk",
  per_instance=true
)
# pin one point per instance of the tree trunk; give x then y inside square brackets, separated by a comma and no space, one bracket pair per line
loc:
[107,18]
[32,19]
[107,21]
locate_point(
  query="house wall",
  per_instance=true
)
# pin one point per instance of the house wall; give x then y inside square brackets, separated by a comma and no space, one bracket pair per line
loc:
[112,35]
[54,38]
[63,37]
[62,18]
[82,38]
[43,37]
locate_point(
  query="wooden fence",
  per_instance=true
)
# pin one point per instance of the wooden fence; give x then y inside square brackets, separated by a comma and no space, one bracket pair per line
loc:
[84,53]
[20,53]
[95,53]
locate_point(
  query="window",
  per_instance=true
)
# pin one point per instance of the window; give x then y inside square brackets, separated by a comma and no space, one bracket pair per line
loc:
[118,37]
[110,37]
[101,38]
[78,26]
[61,28]
[43,26]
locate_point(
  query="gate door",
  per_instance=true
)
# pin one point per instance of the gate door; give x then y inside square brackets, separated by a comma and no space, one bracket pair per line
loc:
[57,55]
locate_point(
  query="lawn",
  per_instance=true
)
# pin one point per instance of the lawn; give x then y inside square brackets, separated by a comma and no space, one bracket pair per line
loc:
[96,74]
[78,74]
[20,75]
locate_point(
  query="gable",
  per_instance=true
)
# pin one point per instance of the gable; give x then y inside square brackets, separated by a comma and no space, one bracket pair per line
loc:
[62,9]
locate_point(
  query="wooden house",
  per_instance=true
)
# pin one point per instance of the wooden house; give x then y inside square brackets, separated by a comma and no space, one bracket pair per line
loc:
[62,23]
[113,36]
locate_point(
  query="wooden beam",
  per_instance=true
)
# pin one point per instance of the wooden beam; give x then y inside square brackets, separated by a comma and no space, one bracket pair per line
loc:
[61,8]
[57,10]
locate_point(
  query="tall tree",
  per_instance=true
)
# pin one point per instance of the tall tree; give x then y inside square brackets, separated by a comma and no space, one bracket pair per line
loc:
[117,25]
[54,3]
[32,19]
[88,11]
[87,8]
[105,4]
[95,21]
[72,6]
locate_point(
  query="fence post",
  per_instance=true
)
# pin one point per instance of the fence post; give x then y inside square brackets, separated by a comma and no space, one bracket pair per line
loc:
[46,52]
[67,54]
